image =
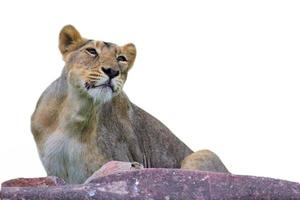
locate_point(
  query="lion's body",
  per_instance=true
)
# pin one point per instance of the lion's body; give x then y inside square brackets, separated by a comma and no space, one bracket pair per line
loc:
[84,119]
[94,135]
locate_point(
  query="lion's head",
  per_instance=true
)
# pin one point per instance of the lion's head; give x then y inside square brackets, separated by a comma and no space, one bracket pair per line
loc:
[95,69]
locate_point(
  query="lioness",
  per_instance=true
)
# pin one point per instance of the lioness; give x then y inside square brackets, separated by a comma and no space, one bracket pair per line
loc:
[84,119]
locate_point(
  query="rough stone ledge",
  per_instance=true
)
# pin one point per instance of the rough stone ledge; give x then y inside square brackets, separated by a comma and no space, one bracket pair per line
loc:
[162,184]
[34,182]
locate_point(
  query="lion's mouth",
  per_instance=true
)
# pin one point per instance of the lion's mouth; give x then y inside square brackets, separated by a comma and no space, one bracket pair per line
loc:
[104,85]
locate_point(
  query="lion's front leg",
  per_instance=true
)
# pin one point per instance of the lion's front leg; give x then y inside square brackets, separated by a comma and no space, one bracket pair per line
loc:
[203,160]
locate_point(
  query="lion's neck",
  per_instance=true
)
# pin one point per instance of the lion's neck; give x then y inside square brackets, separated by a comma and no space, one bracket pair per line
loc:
[79,114]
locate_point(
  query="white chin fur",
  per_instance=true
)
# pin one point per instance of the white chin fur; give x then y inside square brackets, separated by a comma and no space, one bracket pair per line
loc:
[101,94]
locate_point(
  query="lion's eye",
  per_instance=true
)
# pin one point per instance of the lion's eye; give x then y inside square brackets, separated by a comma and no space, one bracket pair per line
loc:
[121,59]
[92,52]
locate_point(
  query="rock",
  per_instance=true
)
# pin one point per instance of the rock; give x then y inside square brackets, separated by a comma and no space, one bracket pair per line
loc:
[34,182]
[163,184]
[114,167]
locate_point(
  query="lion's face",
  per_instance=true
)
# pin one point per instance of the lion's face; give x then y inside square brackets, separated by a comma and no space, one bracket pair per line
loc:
[96,69]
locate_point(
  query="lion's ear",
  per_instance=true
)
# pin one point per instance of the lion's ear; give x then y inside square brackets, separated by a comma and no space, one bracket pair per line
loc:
[69,39]
[130,52]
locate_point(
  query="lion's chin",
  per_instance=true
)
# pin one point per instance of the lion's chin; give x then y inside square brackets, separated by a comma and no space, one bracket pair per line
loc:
[101,94]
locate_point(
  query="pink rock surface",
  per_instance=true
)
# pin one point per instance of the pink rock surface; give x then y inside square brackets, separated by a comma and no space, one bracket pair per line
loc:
[34,182]
[114,167]
[163,184]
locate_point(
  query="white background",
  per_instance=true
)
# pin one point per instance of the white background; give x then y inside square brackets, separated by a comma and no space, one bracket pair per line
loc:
[222,75]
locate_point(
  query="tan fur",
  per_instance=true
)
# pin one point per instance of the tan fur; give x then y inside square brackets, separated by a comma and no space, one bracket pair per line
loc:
[84,119]
[204,160]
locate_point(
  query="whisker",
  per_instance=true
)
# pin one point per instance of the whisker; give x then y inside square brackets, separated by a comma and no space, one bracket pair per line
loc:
[87,85]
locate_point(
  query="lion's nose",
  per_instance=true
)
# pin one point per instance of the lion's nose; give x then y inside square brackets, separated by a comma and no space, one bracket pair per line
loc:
[110,72]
